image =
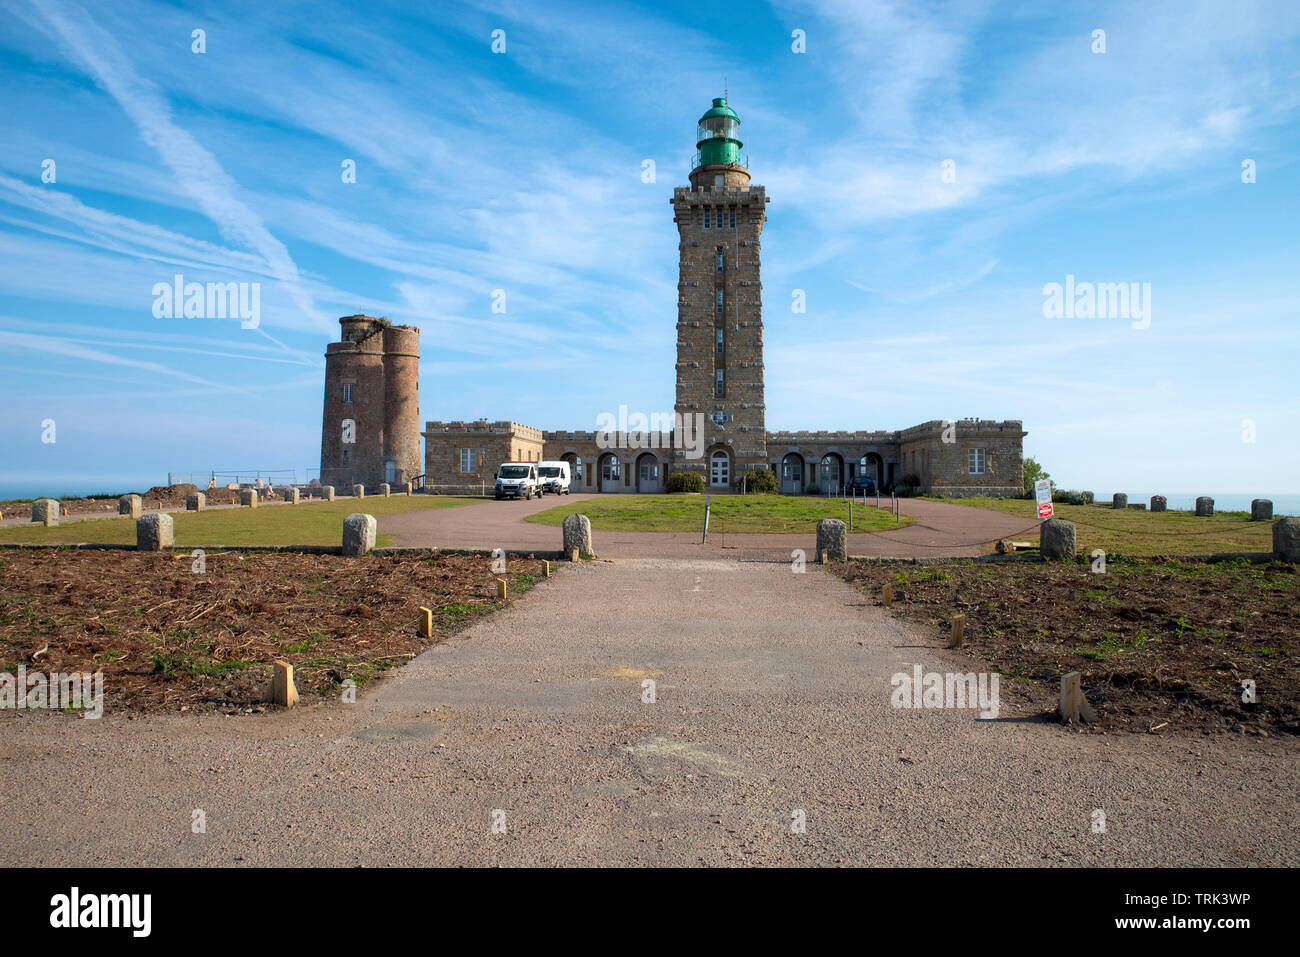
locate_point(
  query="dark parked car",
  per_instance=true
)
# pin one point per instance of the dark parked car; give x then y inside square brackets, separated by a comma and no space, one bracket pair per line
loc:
[861,485]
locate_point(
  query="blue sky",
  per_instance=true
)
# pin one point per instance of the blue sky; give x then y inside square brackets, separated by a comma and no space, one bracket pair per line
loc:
[522,171]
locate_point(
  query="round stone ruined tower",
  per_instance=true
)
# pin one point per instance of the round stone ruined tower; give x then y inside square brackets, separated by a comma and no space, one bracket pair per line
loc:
[371,424]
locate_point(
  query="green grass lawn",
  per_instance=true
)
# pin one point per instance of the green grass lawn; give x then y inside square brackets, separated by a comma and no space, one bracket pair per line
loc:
[1138,532]
[310,523]
[730,513]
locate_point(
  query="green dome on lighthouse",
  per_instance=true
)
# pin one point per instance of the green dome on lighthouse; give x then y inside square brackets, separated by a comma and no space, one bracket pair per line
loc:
[717,139]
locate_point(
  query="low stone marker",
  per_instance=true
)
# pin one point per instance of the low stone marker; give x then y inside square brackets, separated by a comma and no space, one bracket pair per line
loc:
[1159,503]
[359,533]
[1056,540]
[1119,501]
[1074,707]
[1261,510]
[958,631]
[130,505]
[832,540]
[196,502]
[1205,506]
[406,488]
[45,511]
[546,569]
[1286,539]
[577,534]
[358,491]
[887,594]
[426,623]
[291,496]
[501,589]
[282,689]
[248,497]
[327,493]
[153,532]
[573,555]
[385,489]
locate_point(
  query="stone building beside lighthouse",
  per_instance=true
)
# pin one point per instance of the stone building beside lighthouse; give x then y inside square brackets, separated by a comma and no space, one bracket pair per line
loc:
[719,384]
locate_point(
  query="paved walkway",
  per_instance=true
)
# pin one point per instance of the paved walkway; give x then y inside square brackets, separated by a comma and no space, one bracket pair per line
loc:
[772,698]
[940,529]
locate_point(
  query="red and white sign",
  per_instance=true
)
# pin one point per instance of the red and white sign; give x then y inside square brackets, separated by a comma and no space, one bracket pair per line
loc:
[1043,494]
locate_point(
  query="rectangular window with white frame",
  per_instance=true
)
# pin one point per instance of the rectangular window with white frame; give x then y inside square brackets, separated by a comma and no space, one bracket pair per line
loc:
[466,461]
[975,461]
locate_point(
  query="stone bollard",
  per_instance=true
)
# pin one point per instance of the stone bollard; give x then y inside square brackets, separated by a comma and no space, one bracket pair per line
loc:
[1119,501]
[577,534]
[1159,503]
[1205,506]
[832,540]
[281,690]
[45,511]
[358,491]
[130,505]
[359,533]
[406,488]
[196,502]
[1261,510]
[385,489]
[248,496]
[327,493]
[1286,539]
[153,532]
[1073,707]
[291,496]
[1056,540]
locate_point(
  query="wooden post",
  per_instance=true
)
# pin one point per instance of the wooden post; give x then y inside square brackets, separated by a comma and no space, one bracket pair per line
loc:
[887,594]
[958,630]
[282,690]
[573,554]
[546,569]
[426,623]
[1074,707]
[825,557]
[501,589]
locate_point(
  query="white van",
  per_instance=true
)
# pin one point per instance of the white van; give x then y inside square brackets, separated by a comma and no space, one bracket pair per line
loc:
[553,477]
[516,480]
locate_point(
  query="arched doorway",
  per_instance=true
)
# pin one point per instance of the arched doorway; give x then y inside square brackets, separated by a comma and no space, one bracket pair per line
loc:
[575,468]
[792,474]
[870,465]
[830,474]
[611,473]
[720,469]
[648,473]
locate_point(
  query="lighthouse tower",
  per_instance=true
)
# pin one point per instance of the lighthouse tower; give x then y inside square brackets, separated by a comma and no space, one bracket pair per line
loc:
[720,220]
[371,421]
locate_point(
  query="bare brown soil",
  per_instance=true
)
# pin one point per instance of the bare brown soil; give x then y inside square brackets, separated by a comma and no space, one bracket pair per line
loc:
[169,638]
[1162,646]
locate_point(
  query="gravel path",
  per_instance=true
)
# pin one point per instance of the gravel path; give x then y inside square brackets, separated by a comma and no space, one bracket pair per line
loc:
[940,529]
[772,696]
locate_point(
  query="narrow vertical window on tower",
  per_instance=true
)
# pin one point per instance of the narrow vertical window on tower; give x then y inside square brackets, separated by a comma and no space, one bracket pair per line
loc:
[720,302]
[732,216]
[347,392]
[720,337]
[719,259]
[722,389]
[708,219]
